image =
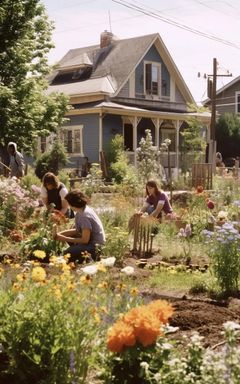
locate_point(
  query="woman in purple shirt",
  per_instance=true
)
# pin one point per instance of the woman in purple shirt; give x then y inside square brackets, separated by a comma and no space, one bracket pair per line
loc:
[157,202]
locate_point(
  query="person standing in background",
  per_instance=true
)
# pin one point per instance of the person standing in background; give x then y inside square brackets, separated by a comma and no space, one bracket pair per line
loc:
[16,161]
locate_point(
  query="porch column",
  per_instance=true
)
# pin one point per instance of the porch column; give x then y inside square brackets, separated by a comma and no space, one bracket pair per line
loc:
[157,123]
[134,121]
[177,125]
[135,124]
[100,134]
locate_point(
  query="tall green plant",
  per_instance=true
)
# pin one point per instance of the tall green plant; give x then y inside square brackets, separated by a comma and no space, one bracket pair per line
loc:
[148,158]
[225,257]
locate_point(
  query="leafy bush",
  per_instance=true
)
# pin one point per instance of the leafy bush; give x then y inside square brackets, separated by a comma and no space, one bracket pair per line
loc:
[51,160]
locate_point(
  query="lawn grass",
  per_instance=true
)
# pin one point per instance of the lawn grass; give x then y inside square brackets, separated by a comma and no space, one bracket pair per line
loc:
[172,280]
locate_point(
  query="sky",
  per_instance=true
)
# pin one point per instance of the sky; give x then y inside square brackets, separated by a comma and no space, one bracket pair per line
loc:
[79,23]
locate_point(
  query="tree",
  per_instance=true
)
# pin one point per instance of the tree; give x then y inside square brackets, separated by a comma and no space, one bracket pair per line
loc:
[193,140]
[26,112]
[228,135]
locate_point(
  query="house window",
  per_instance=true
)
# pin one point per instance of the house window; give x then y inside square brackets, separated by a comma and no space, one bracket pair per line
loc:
[152,78]
[128,136]
[72,140]
[237,98]
[169,133]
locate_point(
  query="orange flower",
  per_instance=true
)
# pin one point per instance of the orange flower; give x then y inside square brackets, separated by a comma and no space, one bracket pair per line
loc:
[146,324]
[140,324]
[119,336]
[162,309]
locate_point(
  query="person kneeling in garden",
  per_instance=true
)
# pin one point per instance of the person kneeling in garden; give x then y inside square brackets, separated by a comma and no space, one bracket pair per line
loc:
[157,202]
[88,230]
[53,192]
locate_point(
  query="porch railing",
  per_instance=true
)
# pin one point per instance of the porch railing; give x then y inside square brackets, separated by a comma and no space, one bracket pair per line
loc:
[184,159]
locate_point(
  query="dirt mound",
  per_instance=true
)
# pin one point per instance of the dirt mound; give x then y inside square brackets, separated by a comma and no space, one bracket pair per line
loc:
[205,318]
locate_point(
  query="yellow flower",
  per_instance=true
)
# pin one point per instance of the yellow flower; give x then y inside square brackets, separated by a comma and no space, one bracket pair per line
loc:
[121,287]
[67,256]
[97,318]
[71,286]
[7,261]
[39,254]
[101,267]
[16,287]
[66,267]
[21,277]
[85,280]
[134,291]
[86,255]
[103,285]
[38,274]
[53,259]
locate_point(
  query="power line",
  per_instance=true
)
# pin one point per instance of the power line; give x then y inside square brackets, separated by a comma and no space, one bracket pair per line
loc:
[158,16]
[215,9]
[91,25]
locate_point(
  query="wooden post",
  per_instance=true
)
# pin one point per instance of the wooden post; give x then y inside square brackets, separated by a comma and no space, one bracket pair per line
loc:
[103,164]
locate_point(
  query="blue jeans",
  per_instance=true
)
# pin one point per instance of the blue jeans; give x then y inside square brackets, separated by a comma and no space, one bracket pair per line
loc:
[76,251]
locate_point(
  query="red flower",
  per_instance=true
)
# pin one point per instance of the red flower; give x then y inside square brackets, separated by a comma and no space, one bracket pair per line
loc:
[199,189]
[210,204]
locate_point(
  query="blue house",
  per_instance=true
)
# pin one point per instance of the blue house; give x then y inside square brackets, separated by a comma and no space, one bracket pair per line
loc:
[121,87]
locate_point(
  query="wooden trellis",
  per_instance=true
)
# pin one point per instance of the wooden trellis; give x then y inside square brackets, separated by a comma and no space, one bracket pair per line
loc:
[202,175]
[143,235]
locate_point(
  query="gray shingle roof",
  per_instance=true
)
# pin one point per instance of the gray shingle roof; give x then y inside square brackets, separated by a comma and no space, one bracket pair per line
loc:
[117,60]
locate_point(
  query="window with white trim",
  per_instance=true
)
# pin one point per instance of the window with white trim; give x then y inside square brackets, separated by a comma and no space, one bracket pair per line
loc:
[152,77]
[72,140]
[237,102]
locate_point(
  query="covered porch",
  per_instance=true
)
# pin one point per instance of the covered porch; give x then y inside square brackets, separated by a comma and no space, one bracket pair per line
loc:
[132,123]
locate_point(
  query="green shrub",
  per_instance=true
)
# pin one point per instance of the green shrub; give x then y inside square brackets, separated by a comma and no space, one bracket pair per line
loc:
[52,160]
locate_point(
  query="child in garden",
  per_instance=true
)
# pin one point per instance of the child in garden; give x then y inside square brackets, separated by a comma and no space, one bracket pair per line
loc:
[88,230]
[53,192]
[16,161]
[157,202]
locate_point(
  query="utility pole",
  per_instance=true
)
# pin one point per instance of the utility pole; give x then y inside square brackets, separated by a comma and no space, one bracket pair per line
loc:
[212,92]
[213,101]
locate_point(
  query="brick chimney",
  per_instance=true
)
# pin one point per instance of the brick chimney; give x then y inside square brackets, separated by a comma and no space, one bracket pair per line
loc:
[105,39]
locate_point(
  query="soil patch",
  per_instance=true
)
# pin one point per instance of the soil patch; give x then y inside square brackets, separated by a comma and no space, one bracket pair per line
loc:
[205,318]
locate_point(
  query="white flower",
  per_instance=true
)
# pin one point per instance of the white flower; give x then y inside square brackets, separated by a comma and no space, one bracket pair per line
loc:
[90,270]
[167,346]
[108,262]
[144,365]
[128,270]
[231,326]
[222,215]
